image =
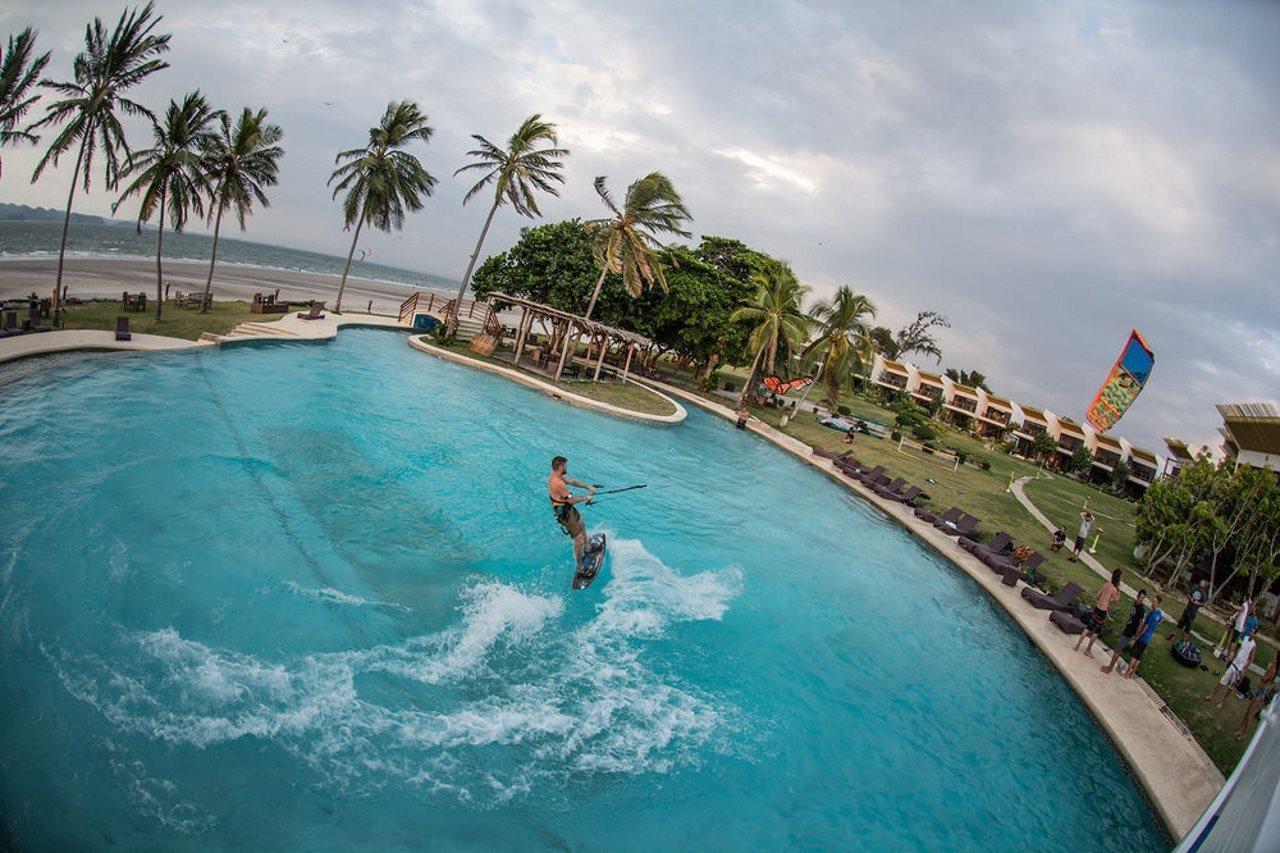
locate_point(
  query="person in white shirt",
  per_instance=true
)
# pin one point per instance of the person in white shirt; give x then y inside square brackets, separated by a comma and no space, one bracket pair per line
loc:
[1239,666]
[1238,622]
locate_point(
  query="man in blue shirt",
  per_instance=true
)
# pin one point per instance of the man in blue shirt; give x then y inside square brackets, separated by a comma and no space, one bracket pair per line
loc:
[1149,625]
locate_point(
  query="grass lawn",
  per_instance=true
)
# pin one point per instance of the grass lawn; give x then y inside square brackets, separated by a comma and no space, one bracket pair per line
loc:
[626,395]
[177,323]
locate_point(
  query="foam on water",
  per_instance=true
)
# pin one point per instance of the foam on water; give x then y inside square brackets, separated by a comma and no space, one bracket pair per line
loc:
[329,595]
[552,699]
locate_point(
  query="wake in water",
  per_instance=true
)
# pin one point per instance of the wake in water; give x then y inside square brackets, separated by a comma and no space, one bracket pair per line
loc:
[329,595]
[509,697]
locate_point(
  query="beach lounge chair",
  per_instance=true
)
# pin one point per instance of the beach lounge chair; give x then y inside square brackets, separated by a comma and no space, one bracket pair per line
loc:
[869,477]
[952,514]
[1000,543]
[963,527]
[1001,562]
[316,312]
[122,329]
[906,496]
[10,327]
[1063,600]
[823,453]
[884,490]
[34,320]
[1066,623]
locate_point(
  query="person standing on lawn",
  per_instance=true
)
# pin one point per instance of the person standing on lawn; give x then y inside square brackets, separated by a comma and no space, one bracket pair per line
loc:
[1129,635]
[1086,527]
[1149,625]
[1260,696]
[1199,595]
[1097,618]
[1239,666]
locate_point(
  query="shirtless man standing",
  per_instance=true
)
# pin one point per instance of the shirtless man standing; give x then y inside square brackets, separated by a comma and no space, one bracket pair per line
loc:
[563,505]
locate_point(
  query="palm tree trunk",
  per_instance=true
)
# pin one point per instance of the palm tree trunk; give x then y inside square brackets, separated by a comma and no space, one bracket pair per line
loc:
[451,322]
[213,258]
[66,224]
[742,400]
[595,294]
[337,306]
[159,266]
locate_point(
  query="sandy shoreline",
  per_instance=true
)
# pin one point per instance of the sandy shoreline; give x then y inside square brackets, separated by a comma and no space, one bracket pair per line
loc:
[108,277]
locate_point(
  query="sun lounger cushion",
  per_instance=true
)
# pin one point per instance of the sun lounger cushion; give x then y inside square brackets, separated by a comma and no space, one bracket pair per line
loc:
[1066,623]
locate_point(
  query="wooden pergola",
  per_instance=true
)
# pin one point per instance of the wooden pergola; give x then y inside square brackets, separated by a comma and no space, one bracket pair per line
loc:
[567,329]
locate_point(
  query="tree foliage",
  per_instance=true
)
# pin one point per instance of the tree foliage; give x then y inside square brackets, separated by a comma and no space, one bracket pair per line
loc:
[842,343]
[19,71]
[972,378]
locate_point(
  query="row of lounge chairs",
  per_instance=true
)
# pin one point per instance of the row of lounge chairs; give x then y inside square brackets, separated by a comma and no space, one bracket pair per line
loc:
[10,326]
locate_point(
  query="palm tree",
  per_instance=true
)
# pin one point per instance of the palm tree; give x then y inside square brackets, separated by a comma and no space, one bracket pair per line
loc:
[625,242]
[777,318]
[241,161]
[18,73]
[380,180]
[93,101]
[843,337]
[171,175]
[516,172]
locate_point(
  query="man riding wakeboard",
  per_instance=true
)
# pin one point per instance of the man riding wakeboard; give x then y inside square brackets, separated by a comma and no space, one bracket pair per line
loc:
[563,505]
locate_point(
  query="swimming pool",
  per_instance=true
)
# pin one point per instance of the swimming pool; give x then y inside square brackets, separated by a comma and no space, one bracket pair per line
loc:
[311,596]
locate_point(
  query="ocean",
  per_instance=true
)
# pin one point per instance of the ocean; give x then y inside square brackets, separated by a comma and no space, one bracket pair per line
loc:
[27,239]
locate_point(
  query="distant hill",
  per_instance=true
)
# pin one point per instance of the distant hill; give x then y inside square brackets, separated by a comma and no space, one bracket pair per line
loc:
[23,213]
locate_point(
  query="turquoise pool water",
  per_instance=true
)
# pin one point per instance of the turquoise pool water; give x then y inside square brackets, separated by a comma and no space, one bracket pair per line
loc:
[311,596]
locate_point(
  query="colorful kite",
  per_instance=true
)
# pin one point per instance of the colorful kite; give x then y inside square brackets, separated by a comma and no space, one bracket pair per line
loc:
[1123,384]
[779,386]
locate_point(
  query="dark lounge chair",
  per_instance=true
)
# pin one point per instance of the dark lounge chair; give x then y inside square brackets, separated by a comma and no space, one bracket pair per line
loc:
[891,488]
[872,476]
[1005,562]
[10,325]
[316,312]
[34,321]
[1000,543]
[952,514]
[122,329]
[823,453]
[1064,599]
[1066,623]
[963,527]
[906,496]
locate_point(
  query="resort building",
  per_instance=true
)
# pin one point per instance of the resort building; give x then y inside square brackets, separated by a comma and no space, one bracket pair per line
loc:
[1107,454]
[995,416]
[890,375]
[928,389]
[1143,465]
[961,404]
[1071,437]
[1179,454]
[1033,422]
[1251,434]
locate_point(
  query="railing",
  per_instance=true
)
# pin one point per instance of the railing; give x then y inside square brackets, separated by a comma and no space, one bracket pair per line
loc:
[413,305]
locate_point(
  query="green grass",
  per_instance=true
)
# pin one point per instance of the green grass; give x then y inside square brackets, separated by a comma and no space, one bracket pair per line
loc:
[626,395]
[178,322]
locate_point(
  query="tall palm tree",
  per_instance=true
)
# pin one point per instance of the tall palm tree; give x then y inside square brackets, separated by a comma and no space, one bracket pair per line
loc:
[92,103]
[18,74]
[516,172]
[777,319]
[843,337]
[380,180]
[625,242]
[170,175]
[241,162]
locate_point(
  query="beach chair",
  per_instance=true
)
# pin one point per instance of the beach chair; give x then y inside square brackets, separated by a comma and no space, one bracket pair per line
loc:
[870,476]
[962,527]
[1062,601]
[122,329]
[33,320]
[1000,543]
[316,312]
[823,453]
[884,490]
[906,496]
[1002,562]
[10,327]
[952,514]
[1066,623]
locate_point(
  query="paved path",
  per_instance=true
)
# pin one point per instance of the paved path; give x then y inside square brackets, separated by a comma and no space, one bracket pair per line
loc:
[1177,775]
[43,343]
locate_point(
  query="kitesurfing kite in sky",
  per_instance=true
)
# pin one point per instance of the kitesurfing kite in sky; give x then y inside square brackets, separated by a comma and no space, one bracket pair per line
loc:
[1123,383]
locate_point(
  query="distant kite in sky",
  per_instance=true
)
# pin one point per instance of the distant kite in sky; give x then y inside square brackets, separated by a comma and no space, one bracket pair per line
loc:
[1123,384]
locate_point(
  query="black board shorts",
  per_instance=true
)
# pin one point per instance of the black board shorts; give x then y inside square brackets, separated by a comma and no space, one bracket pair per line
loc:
[570,521]
[1138,648]
[1188,616]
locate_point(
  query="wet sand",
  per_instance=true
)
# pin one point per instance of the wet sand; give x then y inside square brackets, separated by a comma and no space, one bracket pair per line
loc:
[107,278]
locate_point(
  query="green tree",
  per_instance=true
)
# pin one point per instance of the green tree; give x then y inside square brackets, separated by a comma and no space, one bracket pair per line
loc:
[625,243]
[775,319]
[19,71]
[1042,446]
[516,172]
[972,378]
[241,161]
[1079,461]
[918,336]
[170,175]
[381,180]
[843,338]
[1119,477]
[93,102]
[883,340]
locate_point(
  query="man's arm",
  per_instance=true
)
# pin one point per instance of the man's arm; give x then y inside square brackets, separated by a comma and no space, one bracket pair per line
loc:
[589,488]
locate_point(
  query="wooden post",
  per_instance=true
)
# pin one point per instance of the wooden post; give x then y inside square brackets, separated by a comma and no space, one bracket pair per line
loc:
[521,334]
[564,351]
[627,366]
[604,348]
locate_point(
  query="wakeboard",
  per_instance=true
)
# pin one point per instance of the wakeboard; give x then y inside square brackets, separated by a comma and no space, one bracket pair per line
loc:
[592,560]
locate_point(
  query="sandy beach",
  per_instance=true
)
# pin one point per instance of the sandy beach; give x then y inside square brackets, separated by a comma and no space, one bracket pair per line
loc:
[107,278]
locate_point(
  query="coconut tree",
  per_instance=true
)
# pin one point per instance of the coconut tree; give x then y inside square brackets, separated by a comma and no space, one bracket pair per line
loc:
[776,318]
[18,75]
[241,162]
[624,243]
[843,337]
[516,172]
[382,181]
[93,101]
[170,176]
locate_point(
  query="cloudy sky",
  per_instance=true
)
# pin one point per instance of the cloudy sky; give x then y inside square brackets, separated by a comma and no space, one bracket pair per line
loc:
[1048,175]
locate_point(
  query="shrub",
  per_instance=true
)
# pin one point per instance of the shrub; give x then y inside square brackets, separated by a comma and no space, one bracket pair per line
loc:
[961,456]
[924,431]
[985,465]
[844,410]
[729,385]
[895,436]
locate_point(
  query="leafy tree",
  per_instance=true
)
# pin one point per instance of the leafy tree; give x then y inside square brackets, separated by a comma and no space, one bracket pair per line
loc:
[1042,446]
[19,71]
[94,100]
[625,242]
[1079,461]
[884,342]
[842,342]
[918,336]
[382,181]
[516,172]
[170,176]
[241,162]
[972,378]
[775,319]
[1119,476]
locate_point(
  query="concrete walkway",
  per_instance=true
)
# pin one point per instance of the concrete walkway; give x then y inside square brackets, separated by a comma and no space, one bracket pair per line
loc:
[1176,774]
[44,343]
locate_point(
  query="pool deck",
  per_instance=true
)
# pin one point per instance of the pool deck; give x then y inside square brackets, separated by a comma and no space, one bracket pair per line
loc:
[1178,777]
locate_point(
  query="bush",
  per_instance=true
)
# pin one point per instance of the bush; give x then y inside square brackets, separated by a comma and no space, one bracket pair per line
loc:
[844,410]
[730,386]
[985,465]
[895,436]
[961,456]
[924,432]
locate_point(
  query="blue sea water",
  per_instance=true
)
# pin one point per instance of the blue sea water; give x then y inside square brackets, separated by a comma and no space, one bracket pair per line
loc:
[311,596]
[25,239]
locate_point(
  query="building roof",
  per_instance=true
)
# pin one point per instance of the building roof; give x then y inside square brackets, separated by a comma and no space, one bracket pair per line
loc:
[1252,426]
[1107,441]
[1068,425]
[965,389]
[993,400]
[895,366]
[1178,449]
[1032,413]
[930,377]
[625,335]
[1144,456]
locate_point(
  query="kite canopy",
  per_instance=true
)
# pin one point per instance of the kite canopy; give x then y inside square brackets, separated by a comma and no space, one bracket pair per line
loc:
[1123,384]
